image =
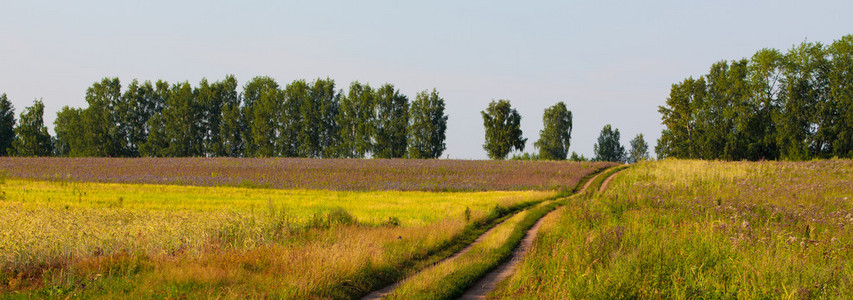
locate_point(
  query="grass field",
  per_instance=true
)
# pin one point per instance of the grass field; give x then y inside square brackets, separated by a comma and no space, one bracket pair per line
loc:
[68,237]
[700,229]
[73,225]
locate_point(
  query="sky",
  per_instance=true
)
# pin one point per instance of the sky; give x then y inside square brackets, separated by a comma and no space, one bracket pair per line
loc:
[611,62]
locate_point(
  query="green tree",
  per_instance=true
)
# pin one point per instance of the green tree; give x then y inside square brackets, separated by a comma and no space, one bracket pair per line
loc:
[295,106]
[232,126]
[427,126]
[802,128]
[101,135]
[68,126]
[841,93]
[7,124]
[155,143]
[327,102]
[139,103]
[639,149]
[355,119]
[181,123]
[262,102]
[391,121]
[679,116]
[503,129]
[609,148]
[764,76]
[555,138]
[577,158]
[31,136]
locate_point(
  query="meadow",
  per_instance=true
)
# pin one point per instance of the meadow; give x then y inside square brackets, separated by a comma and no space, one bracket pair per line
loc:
[86,236]
[304,173]
[699,229]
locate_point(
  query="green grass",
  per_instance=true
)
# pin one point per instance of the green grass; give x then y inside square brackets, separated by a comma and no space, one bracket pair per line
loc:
[452,277]
[700,230]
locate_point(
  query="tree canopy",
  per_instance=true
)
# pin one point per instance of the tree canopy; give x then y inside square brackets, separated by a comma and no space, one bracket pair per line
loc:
[299,119]
[609,147]
[503,129]
[794,106]
[555,137]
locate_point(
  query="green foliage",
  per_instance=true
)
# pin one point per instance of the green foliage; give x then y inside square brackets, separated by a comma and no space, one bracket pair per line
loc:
[793,106]
[392,121]
[327,101]
[503,129]
[577,158]
[294,106]
[101,136]
[355,120]
[68,126]
[639,149]
[526,156]
[427,126]
[263,101]
[7,124]
[212,119]
[609,148]
[31,136]
[555,138]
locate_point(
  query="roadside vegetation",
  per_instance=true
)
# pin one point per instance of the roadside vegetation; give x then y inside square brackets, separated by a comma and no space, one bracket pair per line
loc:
[699,229]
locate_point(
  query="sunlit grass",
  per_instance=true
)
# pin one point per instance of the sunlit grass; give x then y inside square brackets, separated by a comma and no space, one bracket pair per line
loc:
[699,229]
[105,239]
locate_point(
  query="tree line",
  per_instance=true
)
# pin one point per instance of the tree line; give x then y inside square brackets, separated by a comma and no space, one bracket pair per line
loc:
[796,105]
[300,119]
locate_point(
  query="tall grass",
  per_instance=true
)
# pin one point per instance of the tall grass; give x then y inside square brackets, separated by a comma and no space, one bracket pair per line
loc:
[700,229]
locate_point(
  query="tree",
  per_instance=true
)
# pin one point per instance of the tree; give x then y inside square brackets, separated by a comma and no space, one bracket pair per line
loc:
[577,158]
[181,123]
[31,136]
[68,126]
[841,93]
[295,105]
[803,127]
[639,149]
[261,110]
[555,138]
[328,132]
[355,118]
[503,129]
[391,122]
[609,147]
[232,125]
[217,141]
[764,76]
[101,135]
[427,126]
[680,116]
[7,124]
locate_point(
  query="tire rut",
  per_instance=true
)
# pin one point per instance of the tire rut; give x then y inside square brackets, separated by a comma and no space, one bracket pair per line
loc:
[488,283]
[379,294]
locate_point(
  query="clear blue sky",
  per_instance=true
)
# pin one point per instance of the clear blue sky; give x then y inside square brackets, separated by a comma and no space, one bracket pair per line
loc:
[611,62]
